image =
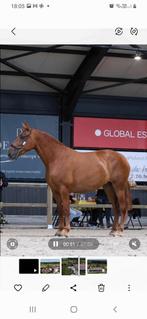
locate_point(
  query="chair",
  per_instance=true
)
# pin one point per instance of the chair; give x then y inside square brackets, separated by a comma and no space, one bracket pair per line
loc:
[131,218]
[134,213]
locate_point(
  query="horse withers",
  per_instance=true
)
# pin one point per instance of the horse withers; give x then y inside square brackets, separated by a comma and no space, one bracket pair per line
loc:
[70,171]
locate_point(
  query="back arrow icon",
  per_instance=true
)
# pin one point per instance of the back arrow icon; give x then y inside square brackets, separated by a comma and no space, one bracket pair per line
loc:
[115,308]
[13,31]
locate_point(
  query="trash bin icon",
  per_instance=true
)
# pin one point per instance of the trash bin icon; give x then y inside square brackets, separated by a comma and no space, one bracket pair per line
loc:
[101,287]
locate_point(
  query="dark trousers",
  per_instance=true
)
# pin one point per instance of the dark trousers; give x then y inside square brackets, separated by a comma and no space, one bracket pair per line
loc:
[97,216]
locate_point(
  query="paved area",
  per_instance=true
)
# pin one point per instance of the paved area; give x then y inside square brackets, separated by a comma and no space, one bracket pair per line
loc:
[34,242]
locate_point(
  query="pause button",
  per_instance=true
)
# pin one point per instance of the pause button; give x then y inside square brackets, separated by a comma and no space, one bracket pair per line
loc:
[32,309]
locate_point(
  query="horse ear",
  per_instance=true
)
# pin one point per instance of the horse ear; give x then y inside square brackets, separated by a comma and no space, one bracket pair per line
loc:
[26,126]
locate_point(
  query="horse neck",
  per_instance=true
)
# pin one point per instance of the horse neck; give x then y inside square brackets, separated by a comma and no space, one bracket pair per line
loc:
[47,147]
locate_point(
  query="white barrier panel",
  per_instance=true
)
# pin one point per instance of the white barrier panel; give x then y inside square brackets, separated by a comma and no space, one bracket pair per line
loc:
[138,163]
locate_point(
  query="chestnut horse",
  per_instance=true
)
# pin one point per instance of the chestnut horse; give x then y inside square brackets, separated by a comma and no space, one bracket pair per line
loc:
[70,171]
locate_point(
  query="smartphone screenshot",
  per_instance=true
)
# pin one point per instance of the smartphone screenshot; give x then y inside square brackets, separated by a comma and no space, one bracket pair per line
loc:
[73,159]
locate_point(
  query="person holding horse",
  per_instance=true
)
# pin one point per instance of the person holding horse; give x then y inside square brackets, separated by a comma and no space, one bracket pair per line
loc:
[3,183]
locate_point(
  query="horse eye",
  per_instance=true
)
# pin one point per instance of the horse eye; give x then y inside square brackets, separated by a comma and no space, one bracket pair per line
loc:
[24,143]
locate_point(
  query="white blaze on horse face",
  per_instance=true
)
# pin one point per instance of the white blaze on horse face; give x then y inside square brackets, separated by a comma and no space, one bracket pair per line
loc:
[24,143]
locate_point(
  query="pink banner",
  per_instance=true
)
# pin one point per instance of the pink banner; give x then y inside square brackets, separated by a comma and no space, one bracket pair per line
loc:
[110,133]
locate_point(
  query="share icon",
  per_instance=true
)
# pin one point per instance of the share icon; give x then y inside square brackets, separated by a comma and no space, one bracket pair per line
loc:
[74,288]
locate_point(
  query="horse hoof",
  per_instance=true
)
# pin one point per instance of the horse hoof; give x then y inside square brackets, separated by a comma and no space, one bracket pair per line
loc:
[116,233]
[113,233]
[62,233]
[120,233]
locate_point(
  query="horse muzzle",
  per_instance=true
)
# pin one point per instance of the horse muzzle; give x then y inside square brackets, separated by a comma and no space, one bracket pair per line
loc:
[13,153]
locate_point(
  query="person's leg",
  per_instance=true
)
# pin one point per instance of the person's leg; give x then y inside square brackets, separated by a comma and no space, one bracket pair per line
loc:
[1,213]
[2,217]
[93,217]
[101,217]
[108,216]
[0,194]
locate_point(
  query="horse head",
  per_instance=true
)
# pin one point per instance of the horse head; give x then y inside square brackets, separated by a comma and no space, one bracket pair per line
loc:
[23,142]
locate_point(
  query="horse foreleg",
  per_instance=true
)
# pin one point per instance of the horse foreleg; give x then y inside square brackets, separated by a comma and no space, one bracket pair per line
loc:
[64,213]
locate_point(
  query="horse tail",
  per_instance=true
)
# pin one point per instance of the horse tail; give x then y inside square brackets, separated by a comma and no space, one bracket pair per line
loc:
[111,195]
[128,196]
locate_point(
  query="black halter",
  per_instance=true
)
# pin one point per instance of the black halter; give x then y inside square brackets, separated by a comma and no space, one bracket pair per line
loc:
[16,147]
[23,138]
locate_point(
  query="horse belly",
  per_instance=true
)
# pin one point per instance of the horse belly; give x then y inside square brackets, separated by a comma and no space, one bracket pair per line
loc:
[89,180]
[83,174]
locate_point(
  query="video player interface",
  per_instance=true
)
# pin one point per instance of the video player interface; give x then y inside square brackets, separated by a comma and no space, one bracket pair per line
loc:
[73,84]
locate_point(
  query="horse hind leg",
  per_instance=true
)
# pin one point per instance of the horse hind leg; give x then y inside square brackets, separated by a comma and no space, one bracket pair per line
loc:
[128,196]
[111,194]
[124,203]
[125,200]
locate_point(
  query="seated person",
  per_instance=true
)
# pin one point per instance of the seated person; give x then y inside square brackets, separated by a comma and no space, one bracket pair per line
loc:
[136,212]
[74,213]
[101,198]
[100,213]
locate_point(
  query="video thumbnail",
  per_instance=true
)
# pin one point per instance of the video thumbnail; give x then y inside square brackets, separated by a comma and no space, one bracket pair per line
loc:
[95,266]
[50,266]
[75,266]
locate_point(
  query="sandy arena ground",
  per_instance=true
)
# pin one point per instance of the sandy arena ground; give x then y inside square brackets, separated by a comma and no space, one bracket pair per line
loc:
[34,242]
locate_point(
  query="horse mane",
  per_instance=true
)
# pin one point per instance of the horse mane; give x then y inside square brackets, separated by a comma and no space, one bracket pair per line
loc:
[48,137]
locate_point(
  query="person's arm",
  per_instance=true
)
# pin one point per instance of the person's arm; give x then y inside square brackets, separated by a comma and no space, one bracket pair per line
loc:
[1,182]
[4,182]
